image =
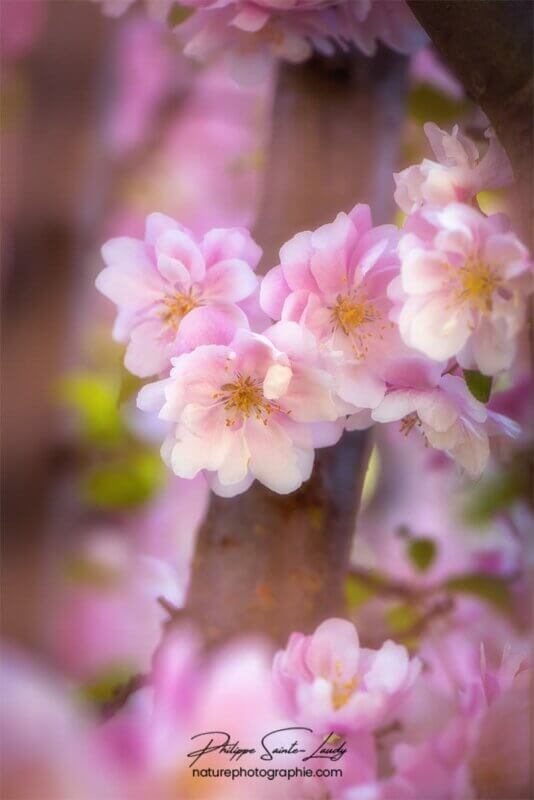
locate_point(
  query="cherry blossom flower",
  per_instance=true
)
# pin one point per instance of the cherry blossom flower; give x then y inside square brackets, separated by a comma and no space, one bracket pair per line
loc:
[254,409]
[334,282]
[448,416]
[331,683]
[252,34]
[458,174]
[107,616]
[463,287]
[174,292]
[156,9]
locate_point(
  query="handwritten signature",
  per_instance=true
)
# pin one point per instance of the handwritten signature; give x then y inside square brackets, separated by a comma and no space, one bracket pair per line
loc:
[273,744]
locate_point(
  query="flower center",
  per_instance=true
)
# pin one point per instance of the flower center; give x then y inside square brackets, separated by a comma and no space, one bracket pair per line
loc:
[409,422]
[243,398]
[352,314]
[477,283]
[342,692]
[176,307]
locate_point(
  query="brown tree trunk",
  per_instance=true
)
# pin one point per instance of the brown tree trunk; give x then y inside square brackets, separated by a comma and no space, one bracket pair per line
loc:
[265,562]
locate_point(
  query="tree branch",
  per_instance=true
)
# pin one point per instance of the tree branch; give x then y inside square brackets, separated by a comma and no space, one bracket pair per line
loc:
[264,562]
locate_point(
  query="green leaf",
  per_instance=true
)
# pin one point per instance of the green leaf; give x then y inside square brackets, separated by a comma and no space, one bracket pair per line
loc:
[126,483]
[371,477]
[178,15]
[425,103]
[103,687]
[479,385]
[357,592]
[487,587]
[496,494]
[93,398]
[422,553]
[401,618]
[88,572]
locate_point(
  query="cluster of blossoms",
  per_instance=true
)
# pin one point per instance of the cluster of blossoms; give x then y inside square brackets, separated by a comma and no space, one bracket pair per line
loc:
[371,324]
[252,34]
[323,696]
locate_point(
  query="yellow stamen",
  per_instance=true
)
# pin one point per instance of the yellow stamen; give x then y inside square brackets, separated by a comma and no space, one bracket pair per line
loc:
[176,307]
[244,397]
[477,283]
[352,313]
[342,692]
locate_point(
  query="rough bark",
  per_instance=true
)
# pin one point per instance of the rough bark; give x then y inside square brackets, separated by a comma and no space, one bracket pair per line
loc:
[489,45]
[271,563]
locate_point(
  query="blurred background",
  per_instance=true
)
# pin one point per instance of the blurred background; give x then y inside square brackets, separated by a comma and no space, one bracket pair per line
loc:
[104,121]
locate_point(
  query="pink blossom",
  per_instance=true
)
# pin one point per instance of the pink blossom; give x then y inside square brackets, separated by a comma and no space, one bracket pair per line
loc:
[174,292]
[252,34]
[331,683]
[463,287]
[448,416]
[458,174]
[254,409]
[49,748]
[107,618]
[334,282]
[156,9]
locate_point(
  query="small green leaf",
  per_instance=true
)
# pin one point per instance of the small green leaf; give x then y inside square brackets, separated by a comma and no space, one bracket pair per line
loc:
[103,687]
[178,15]
[422,553]
[401,618]
[93,398]
[357,592]
[85,571]
[487,587]
[479,385]
[371,477]
[126,483]
[425,102]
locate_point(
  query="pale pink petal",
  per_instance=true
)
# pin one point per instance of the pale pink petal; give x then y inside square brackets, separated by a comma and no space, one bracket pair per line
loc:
[222,244]
[334,651]
[395,405]
[180,247]
[209,325]
[273,292]
[273,458]
[356,384]
[148,350]
[229,281]
[130,279]
[423,271]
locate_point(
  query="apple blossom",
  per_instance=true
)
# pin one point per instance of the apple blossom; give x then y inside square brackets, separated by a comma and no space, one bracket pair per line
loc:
[247,410]
[463,287]
[331,683]
[174,292]
[250,35]
[448,416]
[334,282]
[458,174]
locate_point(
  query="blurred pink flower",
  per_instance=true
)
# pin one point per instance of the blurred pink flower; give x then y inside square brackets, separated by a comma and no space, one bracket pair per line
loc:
[156,9]
[252,34]
[427,68]
[458,174]
[448,416]
[49,749]
[334,282]
[463,287]
[331,683]
[174,292]
[254,409]
[107,619]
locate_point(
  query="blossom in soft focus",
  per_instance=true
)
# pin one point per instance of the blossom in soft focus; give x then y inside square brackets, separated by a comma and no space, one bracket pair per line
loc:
[333,281]
[331,683]
[254,409]
[446,413]
[251,35]
[108,621]
[49,748]
[458,174]
[174,292]
[463,287]
[156,9]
